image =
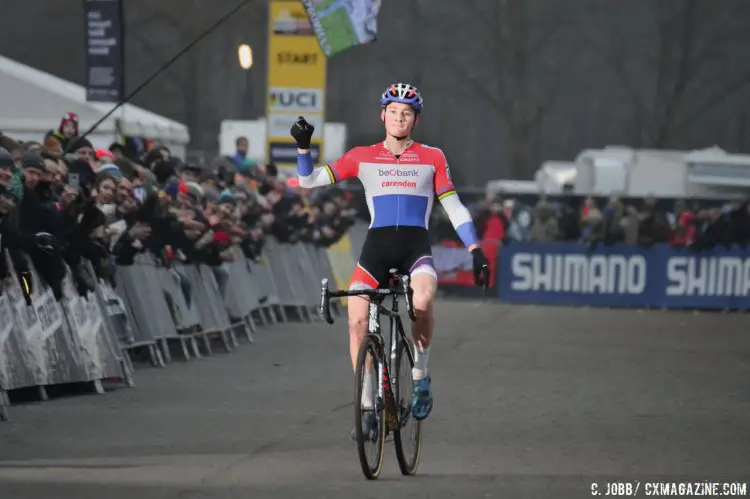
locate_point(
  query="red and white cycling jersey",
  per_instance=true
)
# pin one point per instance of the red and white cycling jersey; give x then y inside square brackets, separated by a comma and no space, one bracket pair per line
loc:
[399,191]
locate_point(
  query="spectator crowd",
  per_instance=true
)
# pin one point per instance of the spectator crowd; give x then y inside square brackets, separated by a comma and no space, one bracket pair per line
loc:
[62,201]
[589,221]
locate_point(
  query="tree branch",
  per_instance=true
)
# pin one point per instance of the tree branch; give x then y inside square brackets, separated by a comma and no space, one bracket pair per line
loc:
[554,91]
[716,98]
[674,90]
[615,61]
[492,35]
[478,86]
[559,24]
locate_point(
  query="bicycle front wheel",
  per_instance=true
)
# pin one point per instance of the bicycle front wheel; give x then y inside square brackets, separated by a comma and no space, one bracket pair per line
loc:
[369,414]
[408,437]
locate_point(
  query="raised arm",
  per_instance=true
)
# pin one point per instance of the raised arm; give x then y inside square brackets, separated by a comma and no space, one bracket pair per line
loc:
[309,176]
[458,213]
[343,168]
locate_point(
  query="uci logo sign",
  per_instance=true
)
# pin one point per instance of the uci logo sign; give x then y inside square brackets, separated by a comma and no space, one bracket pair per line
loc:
[296,99]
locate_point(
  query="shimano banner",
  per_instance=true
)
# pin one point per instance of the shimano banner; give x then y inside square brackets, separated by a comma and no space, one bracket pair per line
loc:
[625,276]
[105,50]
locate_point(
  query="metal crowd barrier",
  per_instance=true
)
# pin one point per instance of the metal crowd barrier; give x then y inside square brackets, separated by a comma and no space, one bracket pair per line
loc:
[152,311]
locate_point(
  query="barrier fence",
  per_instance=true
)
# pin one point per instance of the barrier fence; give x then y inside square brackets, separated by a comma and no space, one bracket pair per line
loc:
[181,310]
[186,309]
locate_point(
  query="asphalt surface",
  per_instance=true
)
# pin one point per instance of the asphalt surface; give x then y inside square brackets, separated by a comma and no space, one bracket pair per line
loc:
[534,402]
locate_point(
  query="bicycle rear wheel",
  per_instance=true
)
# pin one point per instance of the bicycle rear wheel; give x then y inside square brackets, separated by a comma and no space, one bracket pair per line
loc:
[374,440]
[408,437]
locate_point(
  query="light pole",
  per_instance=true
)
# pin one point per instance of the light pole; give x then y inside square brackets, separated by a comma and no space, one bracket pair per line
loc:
[245,57]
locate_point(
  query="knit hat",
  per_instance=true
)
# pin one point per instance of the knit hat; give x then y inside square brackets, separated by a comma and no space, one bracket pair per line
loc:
[247,167]
[79,143]
[210,195]
[117,147]
[105,155]
[69,118]
[111,170]
[6,160]
[31,159]
[226,196]
[195,191]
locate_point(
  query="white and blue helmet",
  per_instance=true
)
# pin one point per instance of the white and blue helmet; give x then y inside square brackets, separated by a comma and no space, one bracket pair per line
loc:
[404,93]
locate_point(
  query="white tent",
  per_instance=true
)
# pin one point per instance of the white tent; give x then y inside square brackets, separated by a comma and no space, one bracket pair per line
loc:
[32,102]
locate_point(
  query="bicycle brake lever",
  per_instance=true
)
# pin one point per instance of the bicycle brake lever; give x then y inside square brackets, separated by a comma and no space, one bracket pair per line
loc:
[325,307]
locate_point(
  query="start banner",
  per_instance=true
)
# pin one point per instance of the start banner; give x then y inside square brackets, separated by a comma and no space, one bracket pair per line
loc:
[625,276]
[296,81]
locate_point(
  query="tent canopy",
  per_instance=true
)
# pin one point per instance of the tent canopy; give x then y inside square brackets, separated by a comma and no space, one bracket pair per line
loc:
[32,100]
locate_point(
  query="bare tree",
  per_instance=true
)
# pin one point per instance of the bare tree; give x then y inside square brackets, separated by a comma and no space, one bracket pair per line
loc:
[508,53]
[668,71]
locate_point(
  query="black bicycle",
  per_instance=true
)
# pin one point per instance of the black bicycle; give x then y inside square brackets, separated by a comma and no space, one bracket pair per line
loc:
[389,391]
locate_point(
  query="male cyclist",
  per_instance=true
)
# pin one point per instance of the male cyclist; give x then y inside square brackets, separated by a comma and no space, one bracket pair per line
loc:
[401,178]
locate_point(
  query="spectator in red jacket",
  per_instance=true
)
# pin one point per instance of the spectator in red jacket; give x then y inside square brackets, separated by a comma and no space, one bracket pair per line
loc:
[496,224]
[685,231]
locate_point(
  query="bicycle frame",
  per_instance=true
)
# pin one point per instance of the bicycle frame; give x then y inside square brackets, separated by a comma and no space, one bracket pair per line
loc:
[396,336]
[387,385]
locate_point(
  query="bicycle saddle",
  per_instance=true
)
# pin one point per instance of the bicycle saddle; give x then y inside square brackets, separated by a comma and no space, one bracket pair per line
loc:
[397,273]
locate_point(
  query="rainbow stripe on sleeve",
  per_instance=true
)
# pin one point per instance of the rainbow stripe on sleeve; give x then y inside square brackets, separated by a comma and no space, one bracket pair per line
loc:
[449,192]
[330,172]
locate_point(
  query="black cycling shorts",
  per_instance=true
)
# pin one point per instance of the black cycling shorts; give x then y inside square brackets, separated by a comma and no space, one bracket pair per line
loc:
[406,249]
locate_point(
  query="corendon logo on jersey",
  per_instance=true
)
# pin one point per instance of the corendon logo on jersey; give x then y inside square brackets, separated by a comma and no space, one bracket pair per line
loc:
[399,183]
[396,172]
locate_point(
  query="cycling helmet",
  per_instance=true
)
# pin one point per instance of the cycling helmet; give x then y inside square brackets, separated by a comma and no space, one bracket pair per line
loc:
[404,93]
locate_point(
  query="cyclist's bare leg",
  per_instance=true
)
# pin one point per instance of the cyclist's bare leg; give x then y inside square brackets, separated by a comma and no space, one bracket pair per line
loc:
[425,286]
[359,311]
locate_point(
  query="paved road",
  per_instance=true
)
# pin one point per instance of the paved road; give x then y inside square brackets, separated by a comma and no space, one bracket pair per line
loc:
[530,402]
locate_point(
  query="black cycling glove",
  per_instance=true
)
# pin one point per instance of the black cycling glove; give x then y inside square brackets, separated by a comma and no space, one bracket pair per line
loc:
[481,268]
[302,132]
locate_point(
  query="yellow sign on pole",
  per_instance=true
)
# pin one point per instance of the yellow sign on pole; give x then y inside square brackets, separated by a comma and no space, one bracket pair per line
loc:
[296,81]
